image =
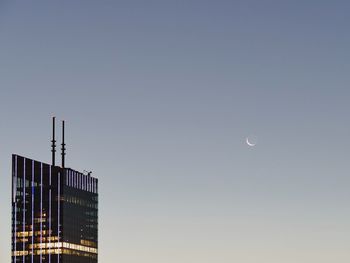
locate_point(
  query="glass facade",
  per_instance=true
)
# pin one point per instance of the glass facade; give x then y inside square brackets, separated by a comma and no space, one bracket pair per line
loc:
[54,214]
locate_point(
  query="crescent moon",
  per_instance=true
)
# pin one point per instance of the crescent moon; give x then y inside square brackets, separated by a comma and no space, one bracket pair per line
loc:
[249,143]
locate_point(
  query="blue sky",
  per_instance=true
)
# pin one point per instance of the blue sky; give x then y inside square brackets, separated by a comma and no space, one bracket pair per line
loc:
[159,97]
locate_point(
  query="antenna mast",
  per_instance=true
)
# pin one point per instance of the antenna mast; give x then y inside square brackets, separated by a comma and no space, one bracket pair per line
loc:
[53,141]
[63,146]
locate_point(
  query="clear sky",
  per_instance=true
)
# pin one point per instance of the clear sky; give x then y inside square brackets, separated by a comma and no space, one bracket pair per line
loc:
[159,97]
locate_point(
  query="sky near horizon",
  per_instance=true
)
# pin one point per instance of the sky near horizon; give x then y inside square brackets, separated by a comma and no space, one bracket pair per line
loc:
[159,97]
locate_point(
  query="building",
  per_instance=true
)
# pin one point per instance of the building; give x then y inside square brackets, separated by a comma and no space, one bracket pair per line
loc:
[54,212]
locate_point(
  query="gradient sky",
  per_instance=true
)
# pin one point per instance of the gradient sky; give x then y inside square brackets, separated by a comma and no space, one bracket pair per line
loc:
[159,97]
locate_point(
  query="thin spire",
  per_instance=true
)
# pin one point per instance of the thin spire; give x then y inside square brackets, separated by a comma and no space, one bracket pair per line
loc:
[63,146]
[53,141]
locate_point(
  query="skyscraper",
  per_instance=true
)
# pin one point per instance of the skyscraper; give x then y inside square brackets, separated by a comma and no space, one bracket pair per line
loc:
[54,212]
